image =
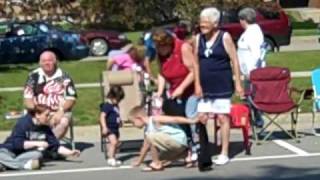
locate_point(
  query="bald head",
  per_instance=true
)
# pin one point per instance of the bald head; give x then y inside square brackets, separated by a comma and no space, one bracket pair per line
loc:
[48,62]
[48,55]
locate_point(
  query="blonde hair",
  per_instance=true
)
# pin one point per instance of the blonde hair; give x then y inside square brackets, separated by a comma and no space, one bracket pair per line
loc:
[136,111]
[212,13]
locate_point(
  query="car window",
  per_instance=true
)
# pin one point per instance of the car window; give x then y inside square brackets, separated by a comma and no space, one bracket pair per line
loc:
[23,30]
[4,28]
[230,16]
[269,14]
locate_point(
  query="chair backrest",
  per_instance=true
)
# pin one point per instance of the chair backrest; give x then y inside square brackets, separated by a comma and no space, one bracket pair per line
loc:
[129,81]
[270,89]
[315,79]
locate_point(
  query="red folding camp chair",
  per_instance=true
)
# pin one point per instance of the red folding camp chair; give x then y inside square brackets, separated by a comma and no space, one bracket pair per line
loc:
[270,93]
[240,118]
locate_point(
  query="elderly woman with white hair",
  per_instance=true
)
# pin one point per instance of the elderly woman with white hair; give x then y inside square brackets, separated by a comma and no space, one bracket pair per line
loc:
[217,64]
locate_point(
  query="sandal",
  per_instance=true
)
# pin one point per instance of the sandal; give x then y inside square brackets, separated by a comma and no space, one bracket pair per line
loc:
[191,164]
[150,168]
[166,163]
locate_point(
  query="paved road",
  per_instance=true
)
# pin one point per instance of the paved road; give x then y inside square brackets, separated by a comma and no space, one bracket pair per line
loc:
[302,43]
[276,159]
[269,161]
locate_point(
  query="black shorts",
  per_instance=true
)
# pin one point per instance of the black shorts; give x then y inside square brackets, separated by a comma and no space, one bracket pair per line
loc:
[114,131]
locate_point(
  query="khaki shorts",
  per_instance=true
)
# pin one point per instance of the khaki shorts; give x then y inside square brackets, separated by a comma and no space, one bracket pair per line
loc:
[168,147]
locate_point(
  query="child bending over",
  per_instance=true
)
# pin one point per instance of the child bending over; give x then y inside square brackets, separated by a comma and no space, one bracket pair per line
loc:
[168,141]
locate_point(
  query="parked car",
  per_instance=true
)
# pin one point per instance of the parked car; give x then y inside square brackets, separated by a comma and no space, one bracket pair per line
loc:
[277,29]
[102,41]
[23,42]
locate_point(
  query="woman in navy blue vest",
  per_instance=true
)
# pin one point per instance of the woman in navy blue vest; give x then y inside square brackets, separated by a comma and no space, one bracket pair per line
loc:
[217,64]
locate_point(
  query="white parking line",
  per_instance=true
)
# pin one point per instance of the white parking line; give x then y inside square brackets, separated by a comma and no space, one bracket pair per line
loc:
[290,147]
[275,157]
[63,171]
[47,172]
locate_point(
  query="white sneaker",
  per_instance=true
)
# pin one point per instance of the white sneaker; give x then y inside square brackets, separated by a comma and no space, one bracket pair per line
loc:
[194,157]
[221,160]
[32,164]
[114,162]
[118,163]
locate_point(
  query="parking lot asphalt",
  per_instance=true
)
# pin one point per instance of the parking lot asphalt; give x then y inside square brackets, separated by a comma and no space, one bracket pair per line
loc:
[280,158]
[271,160]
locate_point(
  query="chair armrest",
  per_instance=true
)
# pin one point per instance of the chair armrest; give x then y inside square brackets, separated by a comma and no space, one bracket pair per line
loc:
[300,92]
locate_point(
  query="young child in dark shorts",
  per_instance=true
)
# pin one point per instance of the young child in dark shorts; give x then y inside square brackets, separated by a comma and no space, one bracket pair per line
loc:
[110,122]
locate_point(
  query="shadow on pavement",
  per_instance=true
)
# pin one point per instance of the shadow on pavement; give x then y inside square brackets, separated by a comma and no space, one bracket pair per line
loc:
[81,146]
[269,172]
[131,145]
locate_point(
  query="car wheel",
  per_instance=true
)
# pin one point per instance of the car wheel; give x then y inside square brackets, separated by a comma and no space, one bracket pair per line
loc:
[98,47]
[270,45]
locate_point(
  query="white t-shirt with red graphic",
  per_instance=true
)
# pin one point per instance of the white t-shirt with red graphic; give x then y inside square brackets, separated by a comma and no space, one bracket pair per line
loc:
[51,91]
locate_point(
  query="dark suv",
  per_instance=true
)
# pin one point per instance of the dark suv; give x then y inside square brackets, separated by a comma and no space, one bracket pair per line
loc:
[276,28]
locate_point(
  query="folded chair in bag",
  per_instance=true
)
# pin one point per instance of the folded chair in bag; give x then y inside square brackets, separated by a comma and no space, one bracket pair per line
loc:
[129,81]
[315,78]
[270,93]
[240,118]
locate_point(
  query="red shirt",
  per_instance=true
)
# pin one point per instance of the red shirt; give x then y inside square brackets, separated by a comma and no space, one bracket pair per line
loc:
[173,69]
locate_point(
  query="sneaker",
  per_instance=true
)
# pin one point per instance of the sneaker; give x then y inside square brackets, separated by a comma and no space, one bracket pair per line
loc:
[114,162]
[118,163]
[221,160]
[32,164]
[194,157]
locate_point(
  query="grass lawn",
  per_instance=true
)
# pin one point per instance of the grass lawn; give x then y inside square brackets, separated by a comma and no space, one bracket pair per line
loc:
[295,61]
[134,36]
[81,72]
[305,32]
[86,109]
[85,112]
[15,75]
